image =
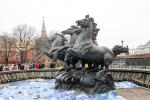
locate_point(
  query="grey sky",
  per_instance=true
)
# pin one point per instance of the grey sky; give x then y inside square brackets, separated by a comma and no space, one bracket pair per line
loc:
[127,20]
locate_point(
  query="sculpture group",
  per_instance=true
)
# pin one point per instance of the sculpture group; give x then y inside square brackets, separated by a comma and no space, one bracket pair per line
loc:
[86,65]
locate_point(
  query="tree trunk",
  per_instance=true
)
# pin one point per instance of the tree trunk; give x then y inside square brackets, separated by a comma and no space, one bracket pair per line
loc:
[6,59]
[22,58]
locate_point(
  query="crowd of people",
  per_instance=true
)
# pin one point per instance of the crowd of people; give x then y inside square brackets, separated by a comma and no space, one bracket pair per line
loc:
[25,66]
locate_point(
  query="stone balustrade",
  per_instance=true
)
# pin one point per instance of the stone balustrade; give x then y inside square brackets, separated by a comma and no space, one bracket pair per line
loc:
[11,76]
[139,76]
[139,51]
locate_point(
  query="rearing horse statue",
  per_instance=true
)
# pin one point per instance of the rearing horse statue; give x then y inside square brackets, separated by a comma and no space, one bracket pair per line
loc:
[86,50]
[57,41]
[74,32]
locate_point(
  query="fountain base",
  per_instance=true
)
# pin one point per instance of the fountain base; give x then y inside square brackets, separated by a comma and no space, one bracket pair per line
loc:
[89,81]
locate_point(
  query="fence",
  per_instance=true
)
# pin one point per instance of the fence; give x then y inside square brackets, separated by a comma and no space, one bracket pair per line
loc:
[140,63]
[138,76]
[12,76]
[139,51]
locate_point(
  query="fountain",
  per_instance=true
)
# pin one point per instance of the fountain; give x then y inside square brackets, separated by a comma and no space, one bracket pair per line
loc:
[85,74]
[42,89]
[87,64]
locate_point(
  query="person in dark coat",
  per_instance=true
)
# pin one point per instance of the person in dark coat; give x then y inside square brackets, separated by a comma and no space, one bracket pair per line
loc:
[20,67]
[42,66]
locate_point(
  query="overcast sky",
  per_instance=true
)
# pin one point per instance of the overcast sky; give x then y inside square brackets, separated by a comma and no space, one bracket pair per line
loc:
[127,20]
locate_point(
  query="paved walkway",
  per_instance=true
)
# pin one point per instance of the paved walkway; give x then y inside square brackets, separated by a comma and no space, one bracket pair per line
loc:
[135,94]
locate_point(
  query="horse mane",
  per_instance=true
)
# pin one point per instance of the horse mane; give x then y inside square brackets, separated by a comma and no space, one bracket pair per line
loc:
[59,34]
[77,29]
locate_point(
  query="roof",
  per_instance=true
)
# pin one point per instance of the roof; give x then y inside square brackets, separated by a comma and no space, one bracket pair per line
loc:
[147,44]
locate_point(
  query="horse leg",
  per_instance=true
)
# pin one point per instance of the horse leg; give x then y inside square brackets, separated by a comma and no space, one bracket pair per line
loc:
[66,62]
[107,60]
[74,60]
[106,67]
[95,67]
[71,58]
[74,52]
[101,67]
[70,61]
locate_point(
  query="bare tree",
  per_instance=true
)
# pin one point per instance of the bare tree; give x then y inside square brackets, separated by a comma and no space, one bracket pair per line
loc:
[41,44]
[6,46]
[23,37]
[44,43]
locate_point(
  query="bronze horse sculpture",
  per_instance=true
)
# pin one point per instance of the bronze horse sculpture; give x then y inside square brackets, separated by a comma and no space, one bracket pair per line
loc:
[86,50]
[74,32]
[57,41]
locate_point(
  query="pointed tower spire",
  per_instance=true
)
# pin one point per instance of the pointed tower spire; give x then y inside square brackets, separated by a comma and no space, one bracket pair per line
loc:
[43,27]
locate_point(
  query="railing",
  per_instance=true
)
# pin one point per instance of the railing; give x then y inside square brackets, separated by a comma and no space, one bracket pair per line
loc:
[11,76]
[140,63]
[141,76]
[139,51]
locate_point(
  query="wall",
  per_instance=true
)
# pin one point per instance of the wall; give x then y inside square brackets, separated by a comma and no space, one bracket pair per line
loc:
[135,63]
[12,76]
[141,77]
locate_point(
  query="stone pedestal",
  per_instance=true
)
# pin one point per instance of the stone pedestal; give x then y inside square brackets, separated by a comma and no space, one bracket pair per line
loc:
[89,81]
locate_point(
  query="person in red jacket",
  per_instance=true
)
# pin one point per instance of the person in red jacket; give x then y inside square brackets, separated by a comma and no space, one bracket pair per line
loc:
[38,65]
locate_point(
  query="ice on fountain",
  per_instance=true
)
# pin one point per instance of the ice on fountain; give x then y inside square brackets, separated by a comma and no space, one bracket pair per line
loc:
[44,90]
[112,95]
[125,84]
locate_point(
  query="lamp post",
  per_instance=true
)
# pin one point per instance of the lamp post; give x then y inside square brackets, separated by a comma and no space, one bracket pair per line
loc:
[122,42]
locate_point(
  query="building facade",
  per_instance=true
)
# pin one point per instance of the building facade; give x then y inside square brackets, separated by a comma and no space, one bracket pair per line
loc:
[12,51]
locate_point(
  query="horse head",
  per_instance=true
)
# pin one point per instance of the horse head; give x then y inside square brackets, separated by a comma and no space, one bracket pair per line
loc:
[62,37]
[95,31]
[73,29]
[51,38]
[85,22]
[117,49]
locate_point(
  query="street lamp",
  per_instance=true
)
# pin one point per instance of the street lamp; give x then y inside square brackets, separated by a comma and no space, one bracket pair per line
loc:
[122,42]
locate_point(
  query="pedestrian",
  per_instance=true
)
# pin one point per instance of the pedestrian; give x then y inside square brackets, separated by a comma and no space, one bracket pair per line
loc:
[33,65]
[38,65]
[14,67]
[30,66]
[21,66]
[42,66]
[1,67]
[5,68]
[53,63]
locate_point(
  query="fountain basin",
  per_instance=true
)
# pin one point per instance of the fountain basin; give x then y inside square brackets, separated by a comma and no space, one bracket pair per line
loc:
[42,89]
